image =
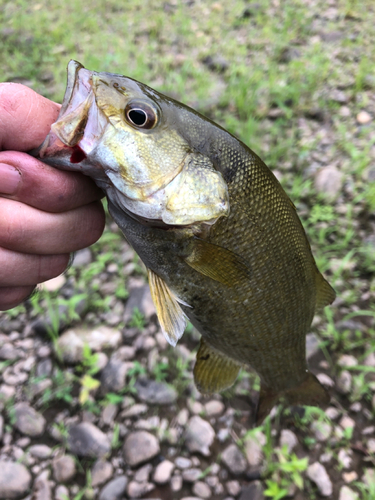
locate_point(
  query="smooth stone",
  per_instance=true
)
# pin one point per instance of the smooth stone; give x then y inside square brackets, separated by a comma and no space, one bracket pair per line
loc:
[317,473]
[252,492]
[254,449]
[86,440]
[288,439]
[163,472]
[152,392]
[101,472]
[137,490]
[64,468]
[347,493]
[41,451]
[61,492]
[199,436]
[28,421]
[115,489]
[328,181]
[202,490]
[113,376]
[234,459]
[15,480]
[139,447]
[42,488]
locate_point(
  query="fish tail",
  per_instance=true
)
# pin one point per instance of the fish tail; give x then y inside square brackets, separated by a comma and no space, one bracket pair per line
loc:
[310,393]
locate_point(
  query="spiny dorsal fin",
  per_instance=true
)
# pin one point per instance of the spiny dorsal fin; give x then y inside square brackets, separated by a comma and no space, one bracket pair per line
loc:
[171,317]
[213,371]
[325,294]
[218,263]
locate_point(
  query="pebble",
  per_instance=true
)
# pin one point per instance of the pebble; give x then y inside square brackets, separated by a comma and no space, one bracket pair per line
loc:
[15,480]
[152,392]
[202,490]
[234,459]
[134,411]
[183,417]
[347,360]
[317,473]
[371,445]
[140,298]
[142,475]
[344,458]
[233,488]
[163,472]
[29,421]
[328,181]
[109,413]
[363,118]
[344,382]
[332,412]
[321,430]
[199,436]
[191,475]
[61,492]
[101,472]
[288,439]
[86,440]
[139,447]
[347,422]
[137,490]
[214,408]
[312,345]
[176,483]
[325,380]
[41,451]
[114,490]
[349,477]
[252,492]
[113,376]
[183,462]
[42,487]
[253,449]
[64,468]
[347,494]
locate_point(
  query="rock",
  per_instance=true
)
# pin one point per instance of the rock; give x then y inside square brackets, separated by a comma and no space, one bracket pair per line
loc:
[199,436]
[28,421]
[191,475]
[86,440]
[312,345]
[328,181]
[70,344]
[288,439]
[113,376]
[163,472]
[325,380]
[183,462]
[349,477]
[142,475]
[363,118]
[44,368]
[64,468]
[139,447]
[214,408]
[202,490]
[15,480]
[318,474]
[253,449]
[114,490]
[347,360]
[41,451]
[137,490]
[233,488]
[347,494]
[140,298]
[371,445]
[347,422]
[152,392]
[42,487]
[82,258]
[321,430]
[61,492]
[252,492]
[109,413]
[134,411]
[101,472]
[344,382]
[234,460]
[344,458]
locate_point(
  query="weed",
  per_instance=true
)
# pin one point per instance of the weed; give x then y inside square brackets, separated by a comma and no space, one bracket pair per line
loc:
[137,319]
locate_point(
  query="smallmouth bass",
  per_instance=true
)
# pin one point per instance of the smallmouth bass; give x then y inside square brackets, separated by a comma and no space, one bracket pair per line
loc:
[221,240]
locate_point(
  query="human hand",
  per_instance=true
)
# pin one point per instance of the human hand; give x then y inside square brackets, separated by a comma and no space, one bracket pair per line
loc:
[45,213]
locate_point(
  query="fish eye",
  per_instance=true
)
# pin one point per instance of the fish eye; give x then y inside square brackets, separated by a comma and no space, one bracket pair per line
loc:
[141,115]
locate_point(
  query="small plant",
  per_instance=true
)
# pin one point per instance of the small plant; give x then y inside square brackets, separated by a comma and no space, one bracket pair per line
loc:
[137,320]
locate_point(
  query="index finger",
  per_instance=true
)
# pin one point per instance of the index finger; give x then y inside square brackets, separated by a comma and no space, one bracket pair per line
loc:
[25,117]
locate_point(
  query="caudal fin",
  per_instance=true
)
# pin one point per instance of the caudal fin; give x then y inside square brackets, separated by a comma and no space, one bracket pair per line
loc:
[310,393]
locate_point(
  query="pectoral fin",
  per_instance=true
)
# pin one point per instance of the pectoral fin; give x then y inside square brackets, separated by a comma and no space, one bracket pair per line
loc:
[171,317]
[325,294]
[213,372]
[309,393]
[218,263]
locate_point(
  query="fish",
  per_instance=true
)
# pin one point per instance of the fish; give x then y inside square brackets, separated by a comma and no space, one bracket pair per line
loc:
[221,240]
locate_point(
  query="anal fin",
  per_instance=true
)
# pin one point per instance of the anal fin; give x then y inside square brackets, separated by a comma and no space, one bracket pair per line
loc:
[325,294]
[309,393]
[171,317]
[213,371]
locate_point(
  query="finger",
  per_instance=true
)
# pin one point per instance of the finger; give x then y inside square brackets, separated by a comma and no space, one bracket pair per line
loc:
[25,117]
[31,181]
[20,269]
[28,230]
[12,296]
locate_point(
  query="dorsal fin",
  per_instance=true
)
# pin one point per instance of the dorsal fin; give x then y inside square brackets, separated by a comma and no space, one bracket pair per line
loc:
[213,371]
[171,317]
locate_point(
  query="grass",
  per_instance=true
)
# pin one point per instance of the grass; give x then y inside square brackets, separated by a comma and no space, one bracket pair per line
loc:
[275,87]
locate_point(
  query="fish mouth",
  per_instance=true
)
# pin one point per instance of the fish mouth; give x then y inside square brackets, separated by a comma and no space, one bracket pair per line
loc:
[80,123]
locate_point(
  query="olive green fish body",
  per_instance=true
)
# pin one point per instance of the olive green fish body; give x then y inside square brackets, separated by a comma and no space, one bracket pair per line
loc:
[221,240]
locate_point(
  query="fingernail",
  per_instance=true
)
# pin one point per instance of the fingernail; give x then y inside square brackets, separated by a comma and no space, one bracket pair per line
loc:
[10,179]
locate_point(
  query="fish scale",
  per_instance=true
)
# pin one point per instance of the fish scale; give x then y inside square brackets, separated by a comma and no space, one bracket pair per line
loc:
[222,242]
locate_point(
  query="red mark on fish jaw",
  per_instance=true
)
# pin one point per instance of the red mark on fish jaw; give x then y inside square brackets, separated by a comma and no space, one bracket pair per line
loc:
[77,155]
